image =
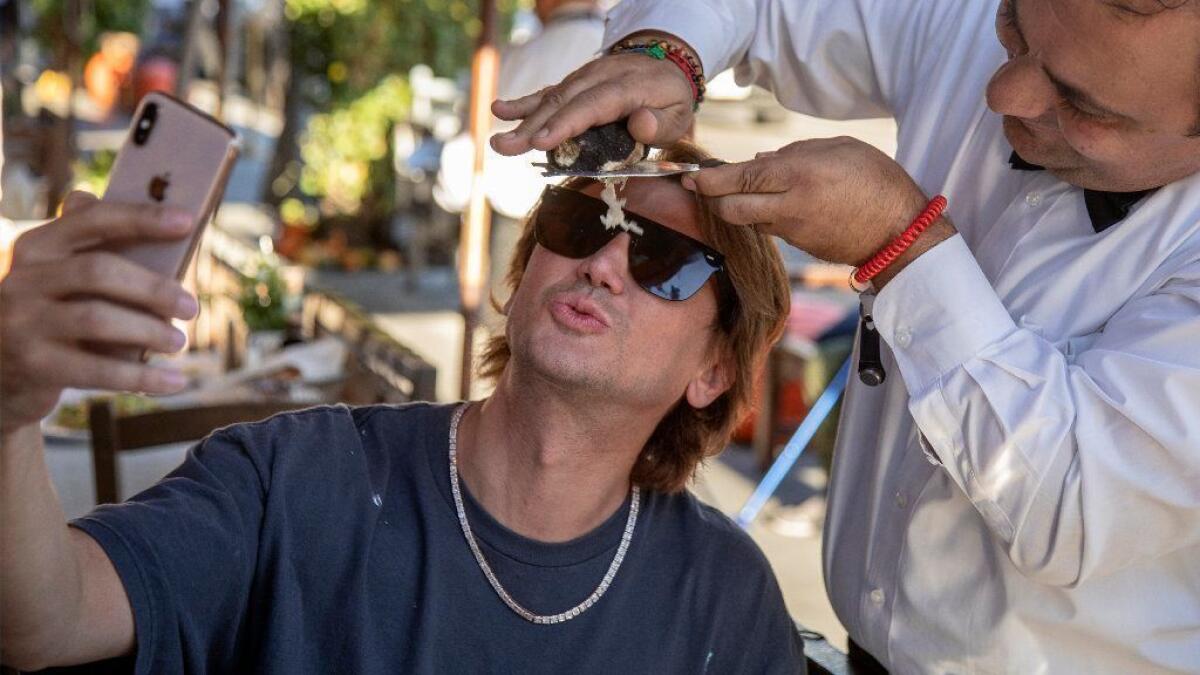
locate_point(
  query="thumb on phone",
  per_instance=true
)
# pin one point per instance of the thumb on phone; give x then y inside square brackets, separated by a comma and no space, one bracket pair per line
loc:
[78,199]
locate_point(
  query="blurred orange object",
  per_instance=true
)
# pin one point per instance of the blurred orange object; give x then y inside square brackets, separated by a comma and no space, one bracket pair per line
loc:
[790,409]
[102,82]
[53,91]
[120,50]
[292,240]
[108,69]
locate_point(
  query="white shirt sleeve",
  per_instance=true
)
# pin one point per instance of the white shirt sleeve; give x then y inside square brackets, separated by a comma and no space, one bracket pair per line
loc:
[513,184]
[1081,461]
[838,59]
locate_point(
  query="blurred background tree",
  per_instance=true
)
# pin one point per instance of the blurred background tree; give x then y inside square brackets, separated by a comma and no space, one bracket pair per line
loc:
[347,69]
[67,32]
[348,88]
[56,19]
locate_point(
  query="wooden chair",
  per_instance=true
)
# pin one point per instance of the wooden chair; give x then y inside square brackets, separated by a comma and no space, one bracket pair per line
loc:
[112,434]
[379,368]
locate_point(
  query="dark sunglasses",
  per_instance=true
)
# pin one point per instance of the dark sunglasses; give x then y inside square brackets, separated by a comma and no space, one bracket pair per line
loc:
[667,263]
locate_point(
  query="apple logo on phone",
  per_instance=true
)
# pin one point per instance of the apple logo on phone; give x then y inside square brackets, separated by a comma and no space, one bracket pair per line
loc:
[158,186]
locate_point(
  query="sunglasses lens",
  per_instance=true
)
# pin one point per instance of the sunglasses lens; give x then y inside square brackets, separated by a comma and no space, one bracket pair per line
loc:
[571,228]
[661,261]
[667,266]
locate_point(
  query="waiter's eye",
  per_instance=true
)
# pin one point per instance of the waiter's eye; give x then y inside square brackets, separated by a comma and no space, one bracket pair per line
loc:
[1080,114]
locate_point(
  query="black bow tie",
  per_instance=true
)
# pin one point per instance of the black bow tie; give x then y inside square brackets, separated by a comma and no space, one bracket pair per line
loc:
[1105,208]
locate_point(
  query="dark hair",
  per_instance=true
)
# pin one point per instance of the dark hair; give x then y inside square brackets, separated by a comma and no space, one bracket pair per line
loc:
[758,304]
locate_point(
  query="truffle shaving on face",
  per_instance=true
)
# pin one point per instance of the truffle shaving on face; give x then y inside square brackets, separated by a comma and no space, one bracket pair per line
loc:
[616,214]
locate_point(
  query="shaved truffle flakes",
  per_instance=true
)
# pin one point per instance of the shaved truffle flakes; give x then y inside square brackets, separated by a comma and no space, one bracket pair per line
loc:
[616,214]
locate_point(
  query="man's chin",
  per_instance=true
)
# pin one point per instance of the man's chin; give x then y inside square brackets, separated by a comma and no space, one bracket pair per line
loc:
[566,369]
[1028,145]
[1068,168]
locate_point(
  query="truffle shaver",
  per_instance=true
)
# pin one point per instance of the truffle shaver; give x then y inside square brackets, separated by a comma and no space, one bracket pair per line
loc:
[644,169]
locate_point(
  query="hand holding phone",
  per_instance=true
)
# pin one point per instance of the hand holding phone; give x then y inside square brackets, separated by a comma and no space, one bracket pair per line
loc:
[65,295]
[92,290]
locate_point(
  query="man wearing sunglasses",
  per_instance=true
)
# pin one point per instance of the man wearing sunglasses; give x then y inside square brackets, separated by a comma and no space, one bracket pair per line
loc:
[546,529]
[1019,494]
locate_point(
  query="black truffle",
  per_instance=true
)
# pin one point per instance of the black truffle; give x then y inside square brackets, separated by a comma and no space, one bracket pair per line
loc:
[604,148]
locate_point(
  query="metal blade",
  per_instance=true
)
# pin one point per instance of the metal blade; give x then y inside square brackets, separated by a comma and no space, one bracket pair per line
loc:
[643,169]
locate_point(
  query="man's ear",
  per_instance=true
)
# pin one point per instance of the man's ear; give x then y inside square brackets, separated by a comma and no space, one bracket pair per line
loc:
[709,384]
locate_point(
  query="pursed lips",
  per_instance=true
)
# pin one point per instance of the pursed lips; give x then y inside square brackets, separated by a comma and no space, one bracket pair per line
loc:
[581,305]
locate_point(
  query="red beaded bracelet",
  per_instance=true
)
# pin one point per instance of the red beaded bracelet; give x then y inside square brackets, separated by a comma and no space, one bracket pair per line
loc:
[860,280]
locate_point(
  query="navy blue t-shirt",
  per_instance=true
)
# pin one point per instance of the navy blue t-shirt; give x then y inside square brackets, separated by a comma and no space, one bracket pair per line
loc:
[326,541]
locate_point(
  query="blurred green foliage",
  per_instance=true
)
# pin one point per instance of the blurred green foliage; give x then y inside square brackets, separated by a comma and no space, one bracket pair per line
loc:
[91,171]
[263,297]
[355,43]
[51,23]
[346,152]
[354,56]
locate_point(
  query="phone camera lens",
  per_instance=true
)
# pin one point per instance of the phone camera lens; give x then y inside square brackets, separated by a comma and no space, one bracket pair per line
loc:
[145,124]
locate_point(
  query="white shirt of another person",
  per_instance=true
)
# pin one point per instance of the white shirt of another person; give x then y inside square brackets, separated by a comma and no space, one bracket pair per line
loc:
[570,38]
[1023,494]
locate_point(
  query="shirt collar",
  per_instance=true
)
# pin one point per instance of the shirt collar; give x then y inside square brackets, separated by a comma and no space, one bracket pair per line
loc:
[1104,208]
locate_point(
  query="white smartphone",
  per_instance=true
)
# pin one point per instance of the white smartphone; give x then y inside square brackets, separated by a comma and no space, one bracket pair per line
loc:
[178,156]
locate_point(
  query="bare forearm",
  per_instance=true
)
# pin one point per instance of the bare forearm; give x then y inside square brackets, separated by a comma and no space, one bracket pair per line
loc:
[61,600]
[40,581]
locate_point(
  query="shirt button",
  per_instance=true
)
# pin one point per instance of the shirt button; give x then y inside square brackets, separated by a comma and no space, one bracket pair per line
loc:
[903,336]
[1033,199]
[901,500]
[877,596]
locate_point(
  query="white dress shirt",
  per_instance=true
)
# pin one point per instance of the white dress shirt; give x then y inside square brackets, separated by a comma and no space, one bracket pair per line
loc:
[570,38]
[1023,494]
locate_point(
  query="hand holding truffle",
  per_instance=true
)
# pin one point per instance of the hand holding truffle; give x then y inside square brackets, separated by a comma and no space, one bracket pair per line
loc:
[654,94]
[839,199]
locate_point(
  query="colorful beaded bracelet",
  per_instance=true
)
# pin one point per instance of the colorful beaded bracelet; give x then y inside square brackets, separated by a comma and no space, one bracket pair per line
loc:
[664,50]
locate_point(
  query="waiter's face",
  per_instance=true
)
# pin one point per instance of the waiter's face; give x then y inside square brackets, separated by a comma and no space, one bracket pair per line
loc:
[1103,93]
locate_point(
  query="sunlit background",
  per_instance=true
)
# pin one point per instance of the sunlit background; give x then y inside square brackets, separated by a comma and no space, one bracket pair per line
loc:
[331,272]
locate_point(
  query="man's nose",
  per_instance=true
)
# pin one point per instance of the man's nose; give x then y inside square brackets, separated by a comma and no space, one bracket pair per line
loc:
[1020,88]
[607,266]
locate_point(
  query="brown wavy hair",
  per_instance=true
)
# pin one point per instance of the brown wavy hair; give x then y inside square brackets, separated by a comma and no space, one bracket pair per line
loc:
[752,319]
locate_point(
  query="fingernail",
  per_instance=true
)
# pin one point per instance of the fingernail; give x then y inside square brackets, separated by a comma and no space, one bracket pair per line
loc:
[508,136]
[542,133]
[186,306]
[172,380]
[178,340]
[688,183]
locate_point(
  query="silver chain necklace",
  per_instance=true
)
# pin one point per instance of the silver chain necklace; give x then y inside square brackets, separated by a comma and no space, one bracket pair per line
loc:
[487,570]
